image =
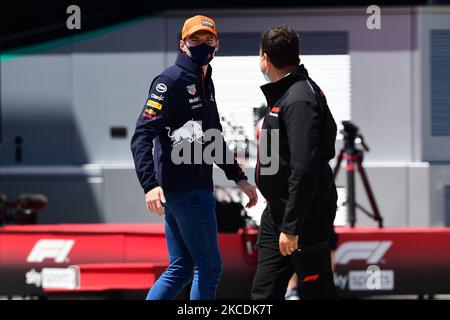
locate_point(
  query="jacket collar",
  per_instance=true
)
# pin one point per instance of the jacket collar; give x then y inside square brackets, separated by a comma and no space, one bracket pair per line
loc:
[274,90]
[186,63]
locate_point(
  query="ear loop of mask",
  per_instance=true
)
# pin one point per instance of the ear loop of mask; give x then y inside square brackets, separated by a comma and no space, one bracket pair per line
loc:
[266,73]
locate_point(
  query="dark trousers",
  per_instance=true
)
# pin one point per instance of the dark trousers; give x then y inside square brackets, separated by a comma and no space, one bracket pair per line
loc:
[312,263]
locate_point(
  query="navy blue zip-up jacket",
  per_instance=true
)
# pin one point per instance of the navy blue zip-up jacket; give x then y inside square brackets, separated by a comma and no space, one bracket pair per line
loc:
[180,97]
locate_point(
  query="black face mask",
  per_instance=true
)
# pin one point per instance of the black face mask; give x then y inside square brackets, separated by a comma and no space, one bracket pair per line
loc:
[201,54]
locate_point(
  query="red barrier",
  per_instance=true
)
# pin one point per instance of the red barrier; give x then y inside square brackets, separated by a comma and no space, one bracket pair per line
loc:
[98,257]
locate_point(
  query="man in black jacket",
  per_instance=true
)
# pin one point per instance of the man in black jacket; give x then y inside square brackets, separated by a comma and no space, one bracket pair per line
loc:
[299,132]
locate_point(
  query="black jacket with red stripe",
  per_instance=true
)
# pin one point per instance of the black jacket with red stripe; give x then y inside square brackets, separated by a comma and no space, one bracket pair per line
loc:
[300,125]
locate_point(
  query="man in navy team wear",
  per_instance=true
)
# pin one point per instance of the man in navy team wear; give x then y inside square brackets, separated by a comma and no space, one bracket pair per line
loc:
[180,108]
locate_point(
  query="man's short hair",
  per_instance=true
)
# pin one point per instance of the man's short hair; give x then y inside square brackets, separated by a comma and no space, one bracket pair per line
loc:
[281,45]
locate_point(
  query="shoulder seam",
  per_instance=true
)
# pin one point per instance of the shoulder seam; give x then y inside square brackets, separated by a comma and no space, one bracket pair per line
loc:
[294,97]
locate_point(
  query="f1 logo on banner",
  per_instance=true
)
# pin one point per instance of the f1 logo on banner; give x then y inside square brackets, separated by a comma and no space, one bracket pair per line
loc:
[371,251]
[55,249]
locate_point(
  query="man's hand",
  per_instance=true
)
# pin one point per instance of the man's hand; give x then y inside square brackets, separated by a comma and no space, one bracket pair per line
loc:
[154,199]
[288,243]
[250,191]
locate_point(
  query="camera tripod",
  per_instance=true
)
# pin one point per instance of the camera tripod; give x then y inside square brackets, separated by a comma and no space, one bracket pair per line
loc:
[354,157]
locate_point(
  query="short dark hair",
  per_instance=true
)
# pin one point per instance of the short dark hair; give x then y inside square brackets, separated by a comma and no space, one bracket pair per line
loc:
[281,45]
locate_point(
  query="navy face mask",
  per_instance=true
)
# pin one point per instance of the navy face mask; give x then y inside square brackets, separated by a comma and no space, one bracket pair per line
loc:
[201,54]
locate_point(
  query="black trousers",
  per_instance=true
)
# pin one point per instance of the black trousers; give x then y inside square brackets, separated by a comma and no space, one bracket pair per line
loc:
[312,263]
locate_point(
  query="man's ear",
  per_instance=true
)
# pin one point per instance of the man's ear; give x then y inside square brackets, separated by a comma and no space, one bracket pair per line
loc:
[183,46]
[217,45]
[267,58]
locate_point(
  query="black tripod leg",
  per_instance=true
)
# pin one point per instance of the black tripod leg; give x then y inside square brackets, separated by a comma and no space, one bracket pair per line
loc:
[351,193]
[370,195]
[338,164]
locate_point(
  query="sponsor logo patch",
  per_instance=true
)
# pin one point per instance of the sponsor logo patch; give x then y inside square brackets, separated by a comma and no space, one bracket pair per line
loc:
[150,111]
[207,23]
[197,106]
[159,98]
[191,89]
[154,104]
[194,100]
[149,116]
[161,87]
[311,278]
[274,112]
[191,131]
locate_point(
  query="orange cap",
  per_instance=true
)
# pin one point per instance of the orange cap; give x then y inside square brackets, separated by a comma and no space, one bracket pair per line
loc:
[198,23]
